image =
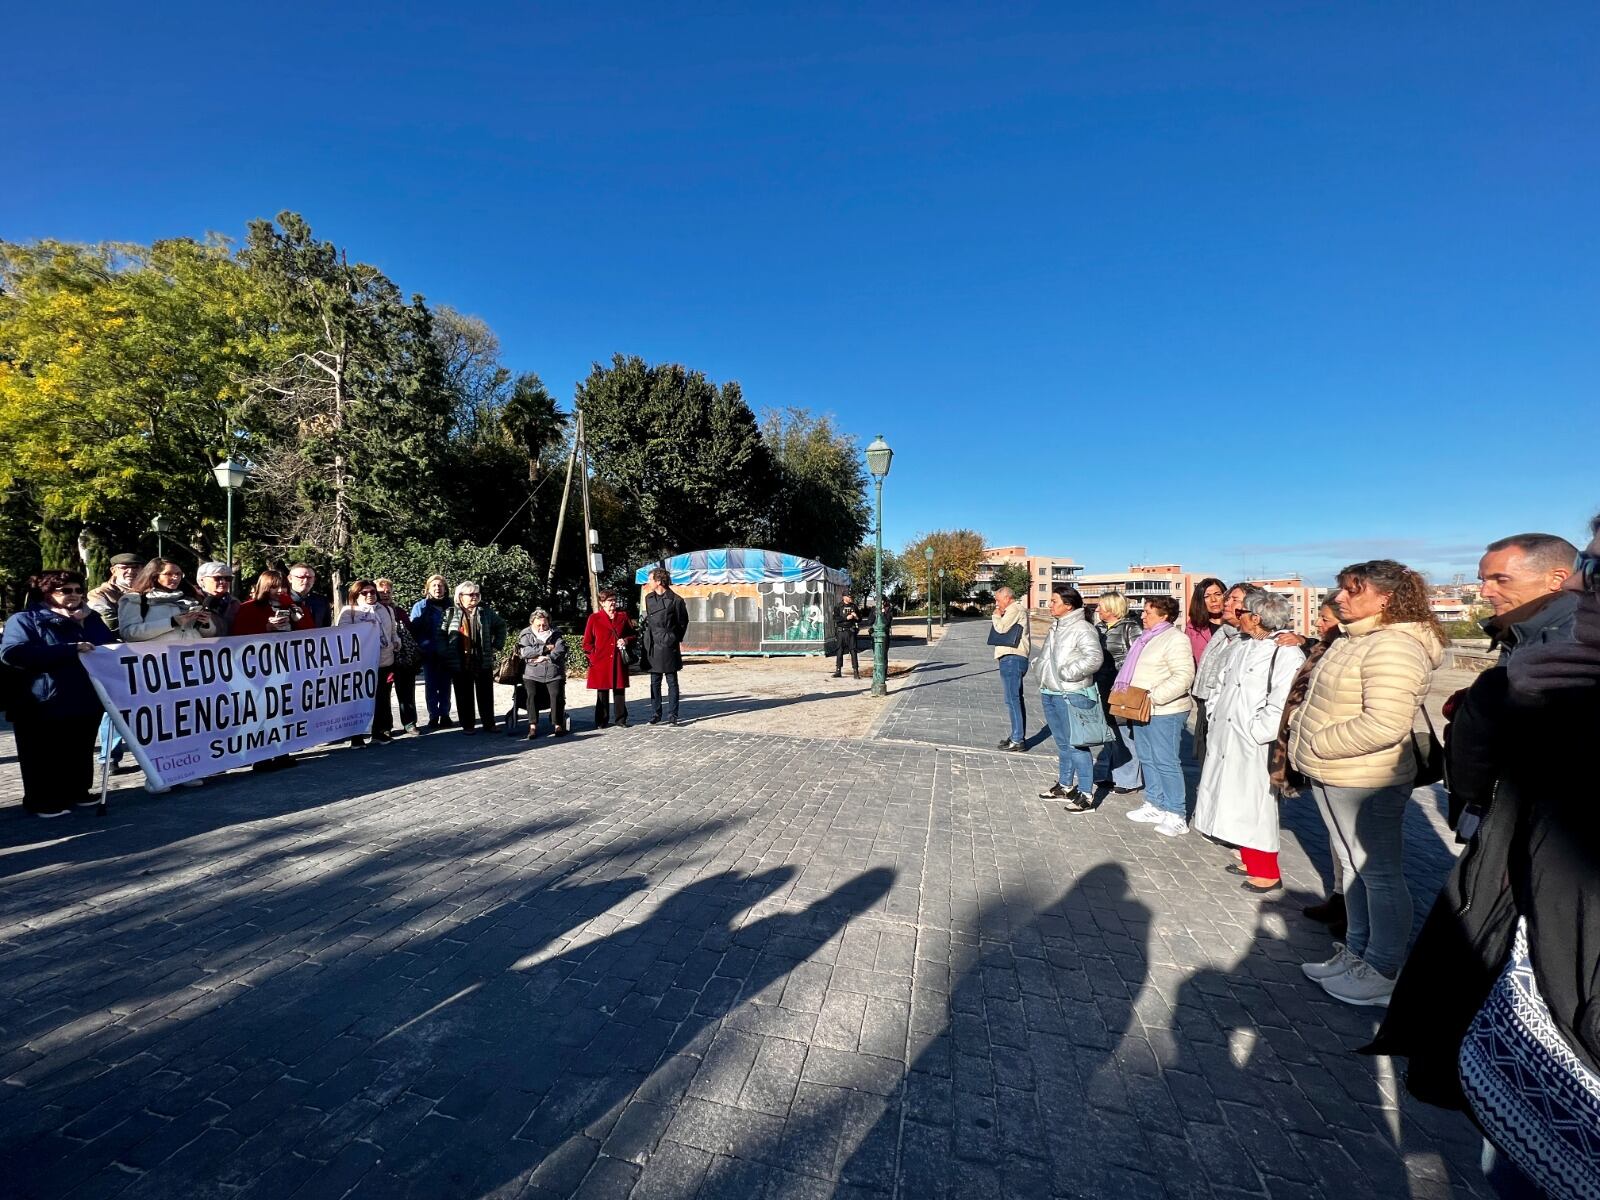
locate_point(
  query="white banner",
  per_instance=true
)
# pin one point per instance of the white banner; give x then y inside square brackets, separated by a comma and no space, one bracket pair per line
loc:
[191,709]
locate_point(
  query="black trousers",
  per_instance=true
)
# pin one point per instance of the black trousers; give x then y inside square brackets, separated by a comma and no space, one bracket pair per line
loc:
[475,697]
[1201,725]
[405,694]
[672,693]
[602,706]
[382,709]
[551,695]
[847,645]
[56,756]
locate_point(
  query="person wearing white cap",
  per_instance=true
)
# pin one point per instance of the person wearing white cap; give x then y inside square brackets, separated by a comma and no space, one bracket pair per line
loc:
[216,588]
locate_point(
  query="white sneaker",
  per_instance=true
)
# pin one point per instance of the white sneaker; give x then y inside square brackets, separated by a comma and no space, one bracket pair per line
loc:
[1341,962]
[1172,825]
[1146,812]
[1360,985]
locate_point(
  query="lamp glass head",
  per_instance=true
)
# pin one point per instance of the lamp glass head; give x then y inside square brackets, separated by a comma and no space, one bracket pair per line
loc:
[878,456]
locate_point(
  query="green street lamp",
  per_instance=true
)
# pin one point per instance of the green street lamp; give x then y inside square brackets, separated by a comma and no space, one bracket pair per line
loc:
[158,526]
[878,457]
[230,476]
[942,609]
[927,554]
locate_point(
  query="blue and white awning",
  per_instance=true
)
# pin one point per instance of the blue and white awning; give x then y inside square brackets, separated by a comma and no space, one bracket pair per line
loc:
[738,565]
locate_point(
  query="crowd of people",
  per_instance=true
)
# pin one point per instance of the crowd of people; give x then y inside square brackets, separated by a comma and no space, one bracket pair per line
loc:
[456,643]
[1496,1007]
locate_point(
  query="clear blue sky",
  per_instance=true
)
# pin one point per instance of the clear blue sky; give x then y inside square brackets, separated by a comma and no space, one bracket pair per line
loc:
[1250,287]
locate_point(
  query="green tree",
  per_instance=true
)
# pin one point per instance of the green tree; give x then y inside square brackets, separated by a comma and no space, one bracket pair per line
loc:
[1013,576]
[683,455]
[819,508]
[956,552]
[863,576]
[352,414]
[507,576]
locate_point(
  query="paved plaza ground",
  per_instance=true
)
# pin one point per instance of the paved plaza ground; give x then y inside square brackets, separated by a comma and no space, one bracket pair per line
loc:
[684,962]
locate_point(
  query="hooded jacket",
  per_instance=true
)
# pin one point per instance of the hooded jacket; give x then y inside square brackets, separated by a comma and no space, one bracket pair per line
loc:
[1354,729]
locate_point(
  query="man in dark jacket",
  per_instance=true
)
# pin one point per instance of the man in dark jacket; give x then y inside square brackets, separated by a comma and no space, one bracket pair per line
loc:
[57,712]
[301,580]
[666,620]
[103,600]
[846,625]
[1522,580]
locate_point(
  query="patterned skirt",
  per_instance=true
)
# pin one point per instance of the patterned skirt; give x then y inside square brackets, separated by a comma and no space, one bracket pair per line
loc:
[1535,1100]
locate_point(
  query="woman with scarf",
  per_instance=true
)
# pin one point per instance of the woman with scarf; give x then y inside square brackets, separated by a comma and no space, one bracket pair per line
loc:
[160,607]
[544,678]
[603,639]
[471,636]
[1161,663]
[1117,763]
[364,608]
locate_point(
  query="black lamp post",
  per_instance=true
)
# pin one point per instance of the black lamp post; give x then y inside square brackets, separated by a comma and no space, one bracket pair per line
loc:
[878,456]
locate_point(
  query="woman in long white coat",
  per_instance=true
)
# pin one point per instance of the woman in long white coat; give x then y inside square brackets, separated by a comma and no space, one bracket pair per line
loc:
[1236,802]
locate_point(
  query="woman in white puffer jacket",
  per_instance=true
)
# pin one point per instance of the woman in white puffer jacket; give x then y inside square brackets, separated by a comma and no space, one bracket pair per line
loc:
[158,607]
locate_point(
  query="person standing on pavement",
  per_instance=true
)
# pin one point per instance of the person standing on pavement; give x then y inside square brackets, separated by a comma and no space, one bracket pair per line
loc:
[55,717]
[472,635]
[159,607]
[1118,763]
[103,600]
[270,610]
[405,676]
[301,580]
[1068,662]
[1012,640]
[1523,579]
[1352,740]
[1236,803]
[363,606]
[1205,614]
[846,627]
[1161,663]
[544,676]
[1213,662]
[604,637]
[665,621]
[427,616]
[216,595]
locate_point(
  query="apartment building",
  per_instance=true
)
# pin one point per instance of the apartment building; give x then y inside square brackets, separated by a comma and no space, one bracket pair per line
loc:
[1044,571]
[1141,581]
[1305,599]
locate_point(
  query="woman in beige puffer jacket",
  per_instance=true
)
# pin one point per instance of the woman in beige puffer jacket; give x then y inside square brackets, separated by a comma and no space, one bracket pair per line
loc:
[1351,739]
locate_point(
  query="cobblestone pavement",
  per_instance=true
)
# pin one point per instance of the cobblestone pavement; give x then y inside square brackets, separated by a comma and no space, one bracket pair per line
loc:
[673,963]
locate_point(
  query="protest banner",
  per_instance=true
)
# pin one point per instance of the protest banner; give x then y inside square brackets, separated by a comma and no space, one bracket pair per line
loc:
[192,709]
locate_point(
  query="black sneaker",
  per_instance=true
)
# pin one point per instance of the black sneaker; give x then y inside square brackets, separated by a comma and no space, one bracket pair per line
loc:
[1017,747]
[1004,744]
[1056,792]
[1122,791]
[1077,802]
[656,720]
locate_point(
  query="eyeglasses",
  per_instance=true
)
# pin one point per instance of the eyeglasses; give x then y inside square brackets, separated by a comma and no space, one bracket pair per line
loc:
[69,590]
[367,592]
[1587,567]
[469,595]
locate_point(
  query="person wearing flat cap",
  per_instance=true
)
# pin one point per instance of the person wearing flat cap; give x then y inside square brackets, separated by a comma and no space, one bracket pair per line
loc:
[217,598]
[103,600]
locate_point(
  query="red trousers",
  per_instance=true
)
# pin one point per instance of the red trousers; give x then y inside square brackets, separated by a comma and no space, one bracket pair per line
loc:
[1261,864]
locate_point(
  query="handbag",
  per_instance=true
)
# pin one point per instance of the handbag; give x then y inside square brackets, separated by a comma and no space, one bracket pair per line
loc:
[407,654]
[1011,637]
[1130,704]
[633,654]
[1430,760]
[1086,720]
[510,668]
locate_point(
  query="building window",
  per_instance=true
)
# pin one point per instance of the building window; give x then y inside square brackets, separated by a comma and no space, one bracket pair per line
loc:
[1043,572]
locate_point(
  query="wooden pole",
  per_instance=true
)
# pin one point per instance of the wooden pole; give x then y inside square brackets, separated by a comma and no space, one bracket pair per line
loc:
[588,543]
[561,520]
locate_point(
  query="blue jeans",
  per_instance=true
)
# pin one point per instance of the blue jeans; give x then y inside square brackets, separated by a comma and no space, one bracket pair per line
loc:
[1118,762]
[436,688]
[1074,765]
[672,693]
[112,747]
[1012,668]
[1364,825]
[1157,747]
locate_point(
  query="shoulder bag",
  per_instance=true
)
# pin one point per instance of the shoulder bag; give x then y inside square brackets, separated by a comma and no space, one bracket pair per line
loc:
[1430,760]
[1130,704]
[1011,638]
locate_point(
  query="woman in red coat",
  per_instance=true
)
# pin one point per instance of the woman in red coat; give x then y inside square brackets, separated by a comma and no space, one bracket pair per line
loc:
[271,609]
[603,639]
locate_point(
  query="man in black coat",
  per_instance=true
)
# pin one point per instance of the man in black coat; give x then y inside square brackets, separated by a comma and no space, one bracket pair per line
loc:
[301,580]
[666,620]
[846,625]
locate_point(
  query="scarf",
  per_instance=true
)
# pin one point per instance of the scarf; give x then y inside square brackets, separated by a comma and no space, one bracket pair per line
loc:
[1125,676]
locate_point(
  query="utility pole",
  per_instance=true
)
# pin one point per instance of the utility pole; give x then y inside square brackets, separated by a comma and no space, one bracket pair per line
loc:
[561,518]
[588,528]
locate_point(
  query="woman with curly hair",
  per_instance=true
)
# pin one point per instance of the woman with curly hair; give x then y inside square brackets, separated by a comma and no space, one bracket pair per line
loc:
[1352,741]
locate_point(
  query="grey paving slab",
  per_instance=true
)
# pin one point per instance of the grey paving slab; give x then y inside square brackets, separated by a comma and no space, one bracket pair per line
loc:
[675,963]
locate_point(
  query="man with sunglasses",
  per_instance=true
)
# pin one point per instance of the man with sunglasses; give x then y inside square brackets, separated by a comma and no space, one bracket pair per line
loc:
[54,711]
[1523,580]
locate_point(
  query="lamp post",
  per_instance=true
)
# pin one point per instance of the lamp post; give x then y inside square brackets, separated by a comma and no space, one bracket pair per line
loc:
[230,475]
[941,598]
[159,526]
[927,555]
[878,456]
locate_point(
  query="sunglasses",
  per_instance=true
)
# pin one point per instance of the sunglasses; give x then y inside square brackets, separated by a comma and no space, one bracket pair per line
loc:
[69,590]
[367,592]
[1587,567]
